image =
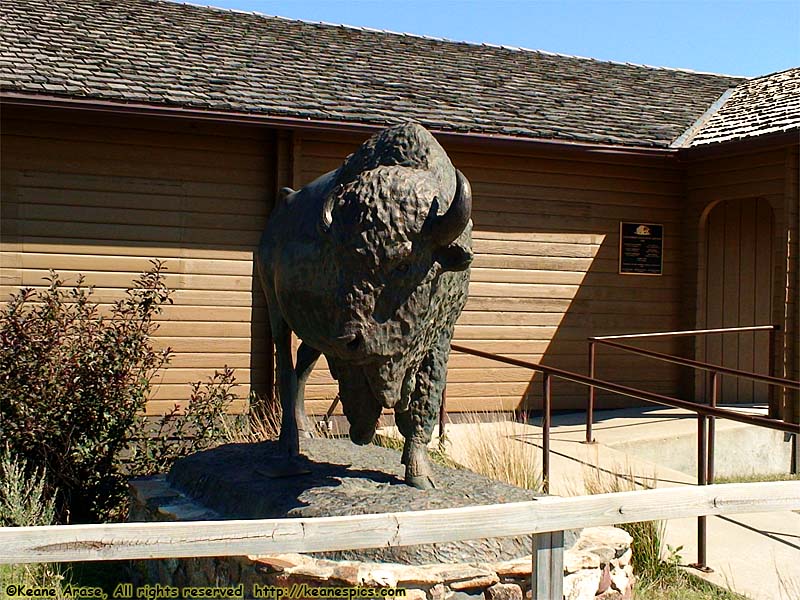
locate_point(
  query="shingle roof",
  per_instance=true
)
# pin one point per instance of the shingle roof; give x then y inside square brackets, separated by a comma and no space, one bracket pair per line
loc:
[157,52]
[769,104]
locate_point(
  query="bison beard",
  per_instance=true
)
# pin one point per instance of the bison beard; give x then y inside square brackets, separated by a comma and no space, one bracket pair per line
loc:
[369,265]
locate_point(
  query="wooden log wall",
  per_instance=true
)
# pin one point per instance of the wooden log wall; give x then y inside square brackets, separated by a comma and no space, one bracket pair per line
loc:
[545,275]
[103,194]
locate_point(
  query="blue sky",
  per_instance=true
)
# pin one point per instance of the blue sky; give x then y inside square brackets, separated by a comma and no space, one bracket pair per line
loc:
[734,37]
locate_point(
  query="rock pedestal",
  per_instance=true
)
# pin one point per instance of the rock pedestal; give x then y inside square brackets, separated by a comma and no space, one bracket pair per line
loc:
[337,478]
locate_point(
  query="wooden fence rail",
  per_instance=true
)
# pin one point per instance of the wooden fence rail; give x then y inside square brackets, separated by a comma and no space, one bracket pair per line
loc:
[546,518]
[59,543]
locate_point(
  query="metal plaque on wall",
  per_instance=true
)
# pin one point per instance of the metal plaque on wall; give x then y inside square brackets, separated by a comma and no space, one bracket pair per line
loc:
[641,249]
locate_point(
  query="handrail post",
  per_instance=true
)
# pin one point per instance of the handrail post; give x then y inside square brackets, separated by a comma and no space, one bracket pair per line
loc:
[712,427]
[702,471]
[592,391]
[442,415]
[773,398]
[546,402]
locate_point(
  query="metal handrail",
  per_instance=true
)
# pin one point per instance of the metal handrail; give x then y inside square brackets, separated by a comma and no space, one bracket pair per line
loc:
[706,429]
[688,332]
[706,411]
[768,379]
[705,415]
[790,383]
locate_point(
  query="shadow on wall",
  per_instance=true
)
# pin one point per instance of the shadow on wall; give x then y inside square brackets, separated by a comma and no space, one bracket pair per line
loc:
[547,273]
[608,303]
[545,276]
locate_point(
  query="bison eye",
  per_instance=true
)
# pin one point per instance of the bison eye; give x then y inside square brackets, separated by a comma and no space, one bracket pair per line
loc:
[402,268]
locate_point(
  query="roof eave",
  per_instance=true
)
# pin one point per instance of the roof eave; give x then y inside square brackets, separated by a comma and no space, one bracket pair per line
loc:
[297,123]
[742,145]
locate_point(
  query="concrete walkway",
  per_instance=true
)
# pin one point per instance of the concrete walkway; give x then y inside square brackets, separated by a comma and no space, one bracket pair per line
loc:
[757,555]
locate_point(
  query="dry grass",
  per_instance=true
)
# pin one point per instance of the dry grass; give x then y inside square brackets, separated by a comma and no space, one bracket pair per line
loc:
[492,447]
[263,423]
[652,559]
[259,425]
[789,585]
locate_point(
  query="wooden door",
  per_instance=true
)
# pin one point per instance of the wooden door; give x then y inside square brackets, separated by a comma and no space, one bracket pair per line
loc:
[738,287]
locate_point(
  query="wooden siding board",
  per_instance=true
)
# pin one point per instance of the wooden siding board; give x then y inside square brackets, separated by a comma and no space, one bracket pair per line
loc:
[791,409]
[747,294]
[337,142]
[124,132]
[163,249]
[103,196]
[206,212]
[120,126]
[128,264]
[133,233]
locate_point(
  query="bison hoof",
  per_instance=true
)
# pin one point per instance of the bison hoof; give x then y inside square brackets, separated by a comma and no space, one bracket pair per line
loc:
[421,482]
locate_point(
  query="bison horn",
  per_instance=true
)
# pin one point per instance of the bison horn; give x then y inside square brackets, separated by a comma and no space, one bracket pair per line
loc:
[326,217]
[450,225]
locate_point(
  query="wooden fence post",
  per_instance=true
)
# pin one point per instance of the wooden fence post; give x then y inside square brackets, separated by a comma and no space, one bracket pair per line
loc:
[548,566]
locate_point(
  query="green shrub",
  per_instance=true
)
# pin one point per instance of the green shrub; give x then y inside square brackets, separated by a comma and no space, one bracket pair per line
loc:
[73,383]
[203,424]
[73,387]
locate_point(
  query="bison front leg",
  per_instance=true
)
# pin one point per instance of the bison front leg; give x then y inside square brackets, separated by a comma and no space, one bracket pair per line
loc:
[289,440]
[419,420]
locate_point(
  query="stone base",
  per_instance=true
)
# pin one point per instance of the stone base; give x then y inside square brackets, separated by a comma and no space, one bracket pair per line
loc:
[596,567]
[343,479]
[336,477]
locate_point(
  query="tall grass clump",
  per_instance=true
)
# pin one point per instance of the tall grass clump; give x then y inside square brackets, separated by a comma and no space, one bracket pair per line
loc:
[652,560]
[262,423]
[495,450]
[24,502]
[656,565]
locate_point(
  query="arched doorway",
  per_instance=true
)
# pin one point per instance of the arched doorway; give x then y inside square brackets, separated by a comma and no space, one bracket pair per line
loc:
[738,286]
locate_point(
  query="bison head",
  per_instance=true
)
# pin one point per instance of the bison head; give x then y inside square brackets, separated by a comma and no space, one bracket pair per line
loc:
[398,223]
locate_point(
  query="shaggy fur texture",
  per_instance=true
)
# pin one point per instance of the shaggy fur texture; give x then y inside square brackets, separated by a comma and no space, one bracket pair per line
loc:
[369,286]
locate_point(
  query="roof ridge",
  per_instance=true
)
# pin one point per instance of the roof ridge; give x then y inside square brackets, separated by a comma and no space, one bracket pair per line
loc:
[451,41]
[685,139]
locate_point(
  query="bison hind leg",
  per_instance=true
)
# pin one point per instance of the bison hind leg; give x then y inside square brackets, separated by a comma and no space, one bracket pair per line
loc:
[306,359]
